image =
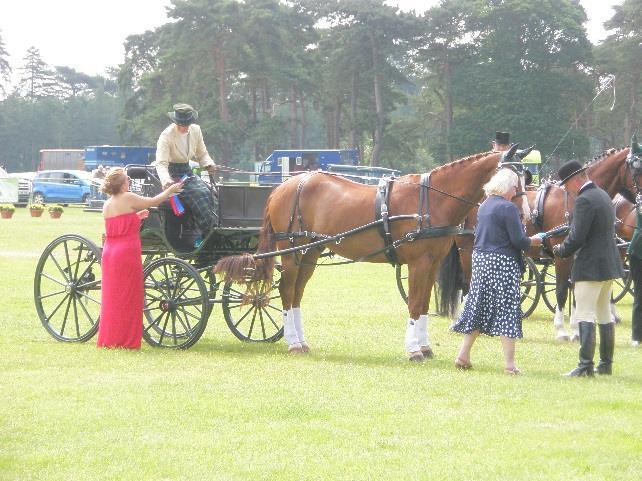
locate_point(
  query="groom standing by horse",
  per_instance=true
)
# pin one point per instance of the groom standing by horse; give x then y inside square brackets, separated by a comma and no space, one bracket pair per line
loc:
[597,263]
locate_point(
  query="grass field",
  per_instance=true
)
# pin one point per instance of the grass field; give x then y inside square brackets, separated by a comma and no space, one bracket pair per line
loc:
[354,409]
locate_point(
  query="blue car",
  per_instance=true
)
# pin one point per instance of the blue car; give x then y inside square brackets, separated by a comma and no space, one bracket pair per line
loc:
[68,186]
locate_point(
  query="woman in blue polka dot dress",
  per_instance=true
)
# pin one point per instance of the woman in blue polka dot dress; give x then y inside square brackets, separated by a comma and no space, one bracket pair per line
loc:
[493,303]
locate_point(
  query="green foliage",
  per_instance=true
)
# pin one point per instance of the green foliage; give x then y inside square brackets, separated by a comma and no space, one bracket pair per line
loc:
[55,208]
[7,208]
[619,55]
[39,207]
[5,68]
[409,91]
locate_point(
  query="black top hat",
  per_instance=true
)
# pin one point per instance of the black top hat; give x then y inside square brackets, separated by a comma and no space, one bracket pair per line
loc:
[183,114]
[569,169]
[502,138]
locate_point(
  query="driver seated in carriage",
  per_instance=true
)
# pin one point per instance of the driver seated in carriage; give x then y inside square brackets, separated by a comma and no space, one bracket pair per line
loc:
[180,143]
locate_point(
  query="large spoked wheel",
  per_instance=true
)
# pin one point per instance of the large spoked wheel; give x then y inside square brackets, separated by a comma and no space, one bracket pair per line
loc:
[253,316]
[623,286]
[530,287]
[67,288]
[176,304]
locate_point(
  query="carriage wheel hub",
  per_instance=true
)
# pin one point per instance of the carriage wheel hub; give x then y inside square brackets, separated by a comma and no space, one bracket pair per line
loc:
[70,288]
[167,305]
[260,301]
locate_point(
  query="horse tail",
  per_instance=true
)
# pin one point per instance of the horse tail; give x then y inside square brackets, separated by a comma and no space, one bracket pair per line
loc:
[451,283]
[245,268]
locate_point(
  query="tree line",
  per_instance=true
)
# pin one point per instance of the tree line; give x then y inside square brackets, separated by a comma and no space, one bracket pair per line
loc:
[409,90]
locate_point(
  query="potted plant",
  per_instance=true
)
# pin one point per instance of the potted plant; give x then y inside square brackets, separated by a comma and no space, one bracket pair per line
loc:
[7,210]
[55,211]
[36,210]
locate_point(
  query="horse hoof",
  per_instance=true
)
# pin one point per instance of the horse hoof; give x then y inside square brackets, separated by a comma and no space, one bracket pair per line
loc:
[427,352]
[305,347]
[563,338]
[575,338]
[295,349]
[416,357]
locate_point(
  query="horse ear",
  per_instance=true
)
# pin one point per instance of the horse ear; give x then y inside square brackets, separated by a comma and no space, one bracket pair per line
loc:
[523,153]
[635,147]
[508,155]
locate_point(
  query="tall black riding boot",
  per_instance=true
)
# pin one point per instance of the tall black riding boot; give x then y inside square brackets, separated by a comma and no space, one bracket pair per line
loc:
[587,350]
[607,346]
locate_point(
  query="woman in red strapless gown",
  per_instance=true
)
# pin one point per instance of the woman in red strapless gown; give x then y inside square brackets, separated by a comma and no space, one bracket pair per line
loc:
[121,309]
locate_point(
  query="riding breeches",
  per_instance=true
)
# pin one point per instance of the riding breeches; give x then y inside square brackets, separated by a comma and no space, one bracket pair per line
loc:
[592,301]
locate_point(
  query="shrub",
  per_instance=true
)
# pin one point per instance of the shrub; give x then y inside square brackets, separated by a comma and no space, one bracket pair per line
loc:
[56,208]
[37,207]
[7,208]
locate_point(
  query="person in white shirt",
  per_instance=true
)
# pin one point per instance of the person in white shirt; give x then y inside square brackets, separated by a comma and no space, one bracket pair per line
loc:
[180,143]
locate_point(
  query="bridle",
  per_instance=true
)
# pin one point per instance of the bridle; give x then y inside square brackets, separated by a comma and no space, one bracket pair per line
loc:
[524,174]
[634,166]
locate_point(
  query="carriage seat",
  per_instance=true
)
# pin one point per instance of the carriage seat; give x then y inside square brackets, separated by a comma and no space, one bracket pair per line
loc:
[178,230]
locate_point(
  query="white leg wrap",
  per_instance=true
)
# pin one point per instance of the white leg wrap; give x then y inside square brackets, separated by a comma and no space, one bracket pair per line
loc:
[298,324]
[558,320]
[421,326]
[289,331]
[411,341]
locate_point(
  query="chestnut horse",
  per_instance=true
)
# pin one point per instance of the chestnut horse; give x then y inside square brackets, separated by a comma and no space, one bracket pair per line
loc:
[317,205]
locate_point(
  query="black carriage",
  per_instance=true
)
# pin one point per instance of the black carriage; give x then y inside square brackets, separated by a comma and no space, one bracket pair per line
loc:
[180,287]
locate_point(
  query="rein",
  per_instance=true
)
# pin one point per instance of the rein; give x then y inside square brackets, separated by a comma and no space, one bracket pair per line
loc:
[382,222]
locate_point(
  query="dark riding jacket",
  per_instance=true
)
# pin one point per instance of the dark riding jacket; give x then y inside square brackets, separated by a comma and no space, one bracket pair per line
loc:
[592,237]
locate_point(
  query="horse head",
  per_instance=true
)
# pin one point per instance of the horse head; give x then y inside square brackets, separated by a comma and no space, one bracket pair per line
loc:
[612,172]
[512,159]
[634,166]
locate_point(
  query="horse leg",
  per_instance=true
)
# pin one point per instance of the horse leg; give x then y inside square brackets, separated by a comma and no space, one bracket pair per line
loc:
[561,294]
[306,269]
[287,285]
[419,285]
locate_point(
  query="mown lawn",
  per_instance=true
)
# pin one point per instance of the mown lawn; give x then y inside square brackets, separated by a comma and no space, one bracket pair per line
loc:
[354,409]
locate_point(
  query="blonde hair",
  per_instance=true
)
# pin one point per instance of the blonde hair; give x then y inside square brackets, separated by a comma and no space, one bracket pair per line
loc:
[501,183]
[114,181]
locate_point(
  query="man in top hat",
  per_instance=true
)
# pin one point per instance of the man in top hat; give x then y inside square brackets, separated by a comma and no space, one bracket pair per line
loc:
[180,143]
[501,142]
[597,262]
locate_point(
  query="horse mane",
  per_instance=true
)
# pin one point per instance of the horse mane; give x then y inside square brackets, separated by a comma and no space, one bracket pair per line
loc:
[458,162]
[607,153]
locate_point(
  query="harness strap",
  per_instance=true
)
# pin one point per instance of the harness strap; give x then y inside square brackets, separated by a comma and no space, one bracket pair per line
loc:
[296,208]
[538,213]
[382,198]
[424,197]
[278,236]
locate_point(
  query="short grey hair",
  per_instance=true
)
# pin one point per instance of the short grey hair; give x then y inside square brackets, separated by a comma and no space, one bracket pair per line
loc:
[501,183]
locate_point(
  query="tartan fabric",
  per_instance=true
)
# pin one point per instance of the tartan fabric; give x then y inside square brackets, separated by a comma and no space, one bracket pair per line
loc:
[197,197]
